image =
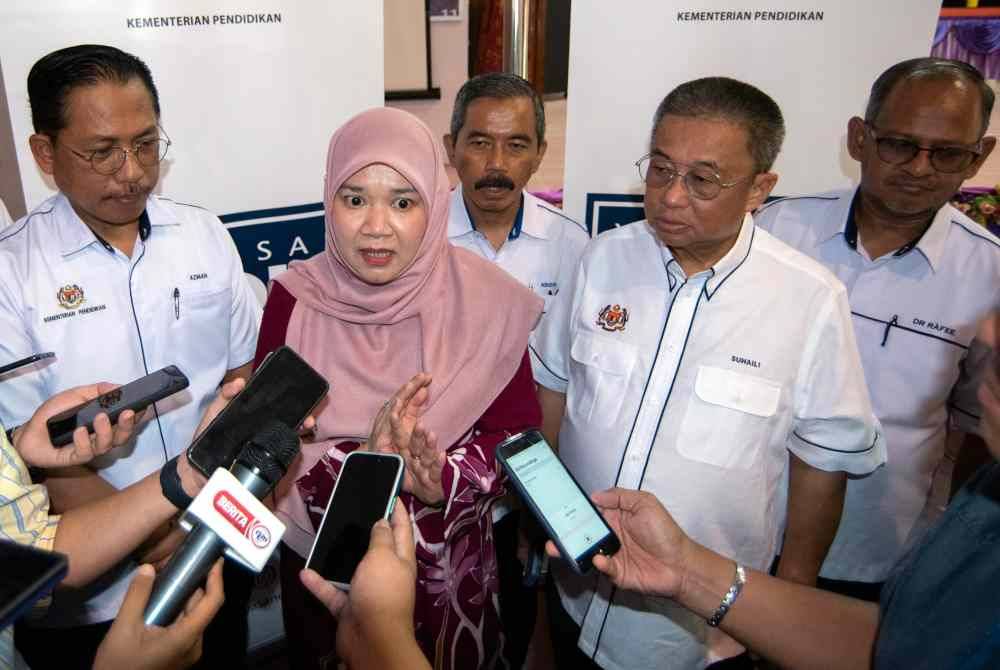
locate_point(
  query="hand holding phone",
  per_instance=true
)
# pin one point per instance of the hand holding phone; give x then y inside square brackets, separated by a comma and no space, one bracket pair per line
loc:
[365,492]
[33,443]
[572,521]
[135,396]
[284,388]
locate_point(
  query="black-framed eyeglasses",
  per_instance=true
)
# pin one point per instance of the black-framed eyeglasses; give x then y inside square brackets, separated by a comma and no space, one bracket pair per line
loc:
[109,161]
[900,151]
[700,181]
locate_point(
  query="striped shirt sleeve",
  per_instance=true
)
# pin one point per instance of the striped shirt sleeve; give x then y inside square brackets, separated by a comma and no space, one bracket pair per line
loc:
[24,507]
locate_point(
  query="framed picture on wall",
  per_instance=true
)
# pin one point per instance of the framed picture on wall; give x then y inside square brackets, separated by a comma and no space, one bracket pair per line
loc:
[445,10]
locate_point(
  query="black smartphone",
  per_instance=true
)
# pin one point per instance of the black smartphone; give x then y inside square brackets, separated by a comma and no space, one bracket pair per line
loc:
[283,388]
[135,395]
[34,358]
[365,492]
[26,575]
[571,519]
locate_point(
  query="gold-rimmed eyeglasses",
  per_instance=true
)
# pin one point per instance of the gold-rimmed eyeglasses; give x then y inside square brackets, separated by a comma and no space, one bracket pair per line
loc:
[700,181]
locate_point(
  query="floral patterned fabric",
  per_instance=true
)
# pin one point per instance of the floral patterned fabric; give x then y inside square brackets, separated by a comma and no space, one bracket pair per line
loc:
[457,612]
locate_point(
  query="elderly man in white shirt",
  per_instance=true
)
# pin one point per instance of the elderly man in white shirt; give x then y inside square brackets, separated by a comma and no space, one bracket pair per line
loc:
[696,357]
[496,143]
[919,276]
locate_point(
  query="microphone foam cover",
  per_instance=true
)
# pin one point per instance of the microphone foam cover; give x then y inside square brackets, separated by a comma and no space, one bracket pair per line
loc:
[271,450]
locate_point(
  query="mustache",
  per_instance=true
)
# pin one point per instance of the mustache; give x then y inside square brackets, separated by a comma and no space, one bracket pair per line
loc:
[495,181]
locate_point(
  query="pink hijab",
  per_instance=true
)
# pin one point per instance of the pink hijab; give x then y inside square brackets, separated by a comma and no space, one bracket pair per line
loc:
[450,313]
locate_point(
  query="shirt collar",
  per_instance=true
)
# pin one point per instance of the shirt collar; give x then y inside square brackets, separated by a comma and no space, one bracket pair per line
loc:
[723,268]
[930,243]
[460,221]
[77,235]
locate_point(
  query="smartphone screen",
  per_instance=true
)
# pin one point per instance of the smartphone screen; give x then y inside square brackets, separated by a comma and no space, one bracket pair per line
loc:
[135,395]
[564,509]
[365,492]
[26,574]
[284,388]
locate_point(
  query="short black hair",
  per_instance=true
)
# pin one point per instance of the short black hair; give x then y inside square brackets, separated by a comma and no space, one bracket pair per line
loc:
[733,101]
[930,68]
[496,85]
[53,77]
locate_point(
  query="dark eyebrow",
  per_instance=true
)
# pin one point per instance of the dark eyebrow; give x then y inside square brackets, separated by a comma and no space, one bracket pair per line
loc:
[351,187]
[409,190]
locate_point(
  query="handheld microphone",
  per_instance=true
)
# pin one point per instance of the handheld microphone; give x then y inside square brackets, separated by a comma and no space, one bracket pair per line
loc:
[261,464]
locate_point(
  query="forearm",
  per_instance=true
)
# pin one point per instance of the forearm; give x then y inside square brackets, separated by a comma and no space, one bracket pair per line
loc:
[553,406]
[815,504]
[830,631]
[400,652]
[76,486]
[121,522]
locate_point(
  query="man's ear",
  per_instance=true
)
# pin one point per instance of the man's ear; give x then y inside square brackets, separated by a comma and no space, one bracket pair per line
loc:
[988,143]
[43,149]
[762,185]
[537,162]
[856,136]
[449,148]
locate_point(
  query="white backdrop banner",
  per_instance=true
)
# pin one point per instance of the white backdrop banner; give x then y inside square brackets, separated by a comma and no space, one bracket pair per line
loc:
[816,58]
[250,92]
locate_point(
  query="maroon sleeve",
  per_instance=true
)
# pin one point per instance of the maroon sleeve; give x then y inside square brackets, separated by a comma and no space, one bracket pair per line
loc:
[274,323]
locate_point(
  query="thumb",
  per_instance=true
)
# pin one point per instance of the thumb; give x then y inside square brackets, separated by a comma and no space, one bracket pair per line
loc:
[381,537]
[138,594]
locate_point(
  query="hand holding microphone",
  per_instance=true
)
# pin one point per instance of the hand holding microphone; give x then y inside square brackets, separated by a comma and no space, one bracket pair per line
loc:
[258,468]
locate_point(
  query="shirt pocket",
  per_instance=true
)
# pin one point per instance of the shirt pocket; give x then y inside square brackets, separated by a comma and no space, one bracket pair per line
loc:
[729,418]
[600,381]
[201,321]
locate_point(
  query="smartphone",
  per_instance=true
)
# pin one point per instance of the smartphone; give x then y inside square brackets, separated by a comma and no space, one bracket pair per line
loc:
[34,358]
[571,519]
[26,575]
[365,492]
[284,388]
[135,395]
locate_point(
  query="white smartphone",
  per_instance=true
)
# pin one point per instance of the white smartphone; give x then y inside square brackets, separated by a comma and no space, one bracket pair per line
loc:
[571,519]
[365,492]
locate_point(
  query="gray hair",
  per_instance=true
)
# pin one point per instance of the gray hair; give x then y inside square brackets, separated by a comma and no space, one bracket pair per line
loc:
[735,102]
[929,68]
[496,85]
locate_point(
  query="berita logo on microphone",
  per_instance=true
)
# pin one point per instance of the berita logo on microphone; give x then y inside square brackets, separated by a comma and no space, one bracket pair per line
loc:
[241,519]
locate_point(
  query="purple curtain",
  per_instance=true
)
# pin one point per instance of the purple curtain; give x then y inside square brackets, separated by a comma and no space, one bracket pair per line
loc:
[974,41]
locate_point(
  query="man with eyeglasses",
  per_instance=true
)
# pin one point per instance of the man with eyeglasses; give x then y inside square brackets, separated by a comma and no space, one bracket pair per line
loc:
[919,276]
[118,282]
[704,361]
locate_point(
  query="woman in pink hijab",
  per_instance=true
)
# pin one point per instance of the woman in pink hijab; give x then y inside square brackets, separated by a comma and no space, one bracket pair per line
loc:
[387,300]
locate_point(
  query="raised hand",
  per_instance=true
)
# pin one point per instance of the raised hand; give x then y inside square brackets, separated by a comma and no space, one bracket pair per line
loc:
[395,421]
[424,462]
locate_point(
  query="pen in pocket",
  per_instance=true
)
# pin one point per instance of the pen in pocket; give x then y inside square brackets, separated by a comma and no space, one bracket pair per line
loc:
[177,303]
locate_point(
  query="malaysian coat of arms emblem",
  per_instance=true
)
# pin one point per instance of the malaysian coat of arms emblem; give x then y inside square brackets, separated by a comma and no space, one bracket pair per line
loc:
[70,296]
[612,318]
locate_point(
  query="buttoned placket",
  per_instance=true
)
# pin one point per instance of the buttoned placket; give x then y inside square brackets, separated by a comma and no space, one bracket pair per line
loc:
[685,298]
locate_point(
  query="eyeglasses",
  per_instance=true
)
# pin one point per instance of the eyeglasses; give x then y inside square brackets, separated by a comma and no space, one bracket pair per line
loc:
[109,161]
[699,181]
[899,151]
